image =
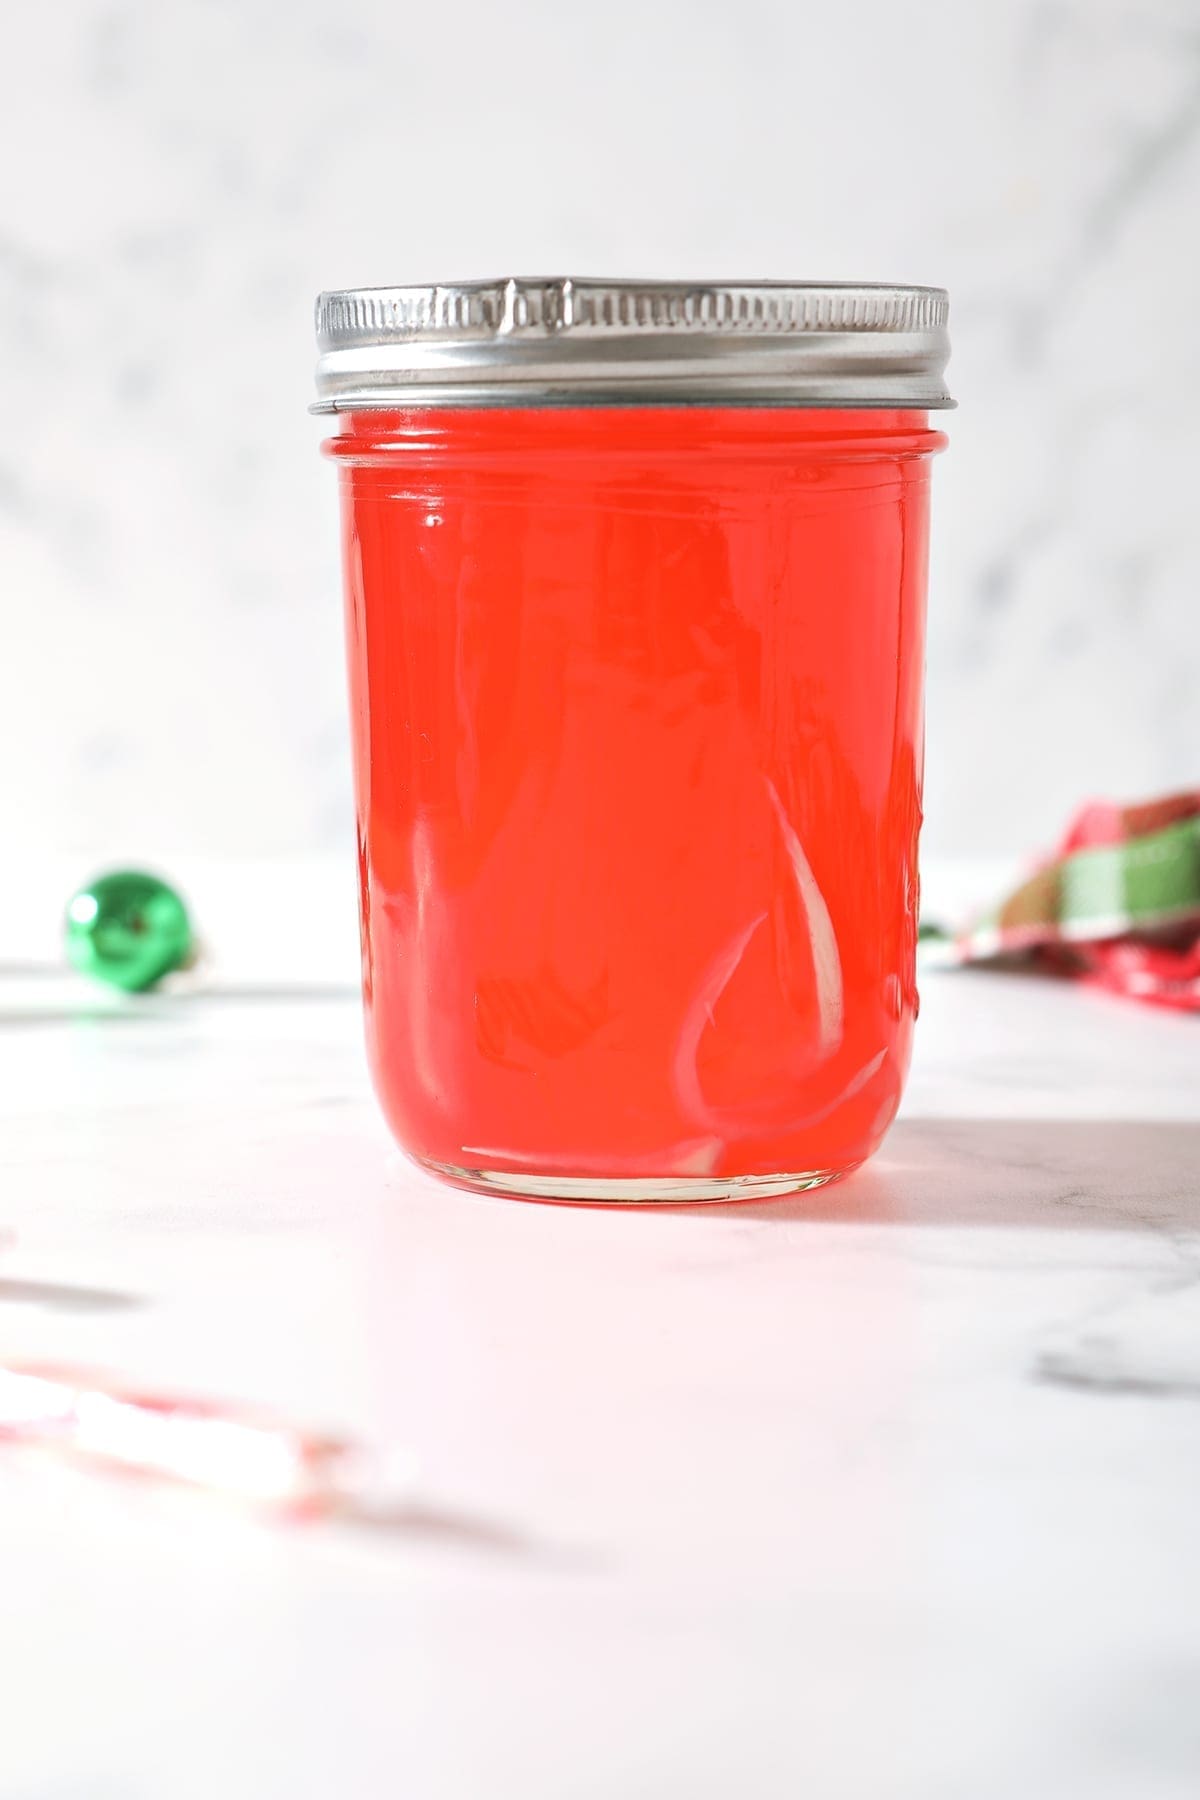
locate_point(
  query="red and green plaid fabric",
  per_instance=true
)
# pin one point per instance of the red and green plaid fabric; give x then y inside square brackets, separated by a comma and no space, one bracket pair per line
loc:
[1118,904]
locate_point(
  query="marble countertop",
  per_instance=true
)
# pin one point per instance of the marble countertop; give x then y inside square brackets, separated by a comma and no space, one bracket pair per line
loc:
[884,1491]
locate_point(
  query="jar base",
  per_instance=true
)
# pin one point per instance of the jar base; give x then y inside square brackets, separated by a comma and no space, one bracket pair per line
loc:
[633,1190]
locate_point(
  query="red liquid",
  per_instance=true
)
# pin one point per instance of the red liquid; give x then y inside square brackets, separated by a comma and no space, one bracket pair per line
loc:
[637,713]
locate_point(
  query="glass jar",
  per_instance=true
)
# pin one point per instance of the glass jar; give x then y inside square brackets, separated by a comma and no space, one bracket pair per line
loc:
[635,583]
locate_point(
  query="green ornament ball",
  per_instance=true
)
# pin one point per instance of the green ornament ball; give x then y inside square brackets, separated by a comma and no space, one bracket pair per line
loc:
[128,929]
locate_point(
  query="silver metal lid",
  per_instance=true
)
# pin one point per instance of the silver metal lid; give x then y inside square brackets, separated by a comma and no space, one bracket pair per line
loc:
[542,342]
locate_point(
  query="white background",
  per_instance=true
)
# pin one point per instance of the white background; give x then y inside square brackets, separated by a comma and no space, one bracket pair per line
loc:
[179,179]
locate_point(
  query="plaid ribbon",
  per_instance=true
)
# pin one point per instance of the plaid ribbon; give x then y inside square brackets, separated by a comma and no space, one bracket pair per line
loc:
[1118,904]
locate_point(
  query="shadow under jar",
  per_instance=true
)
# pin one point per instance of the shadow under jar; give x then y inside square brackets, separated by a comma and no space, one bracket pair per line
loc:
[635,584]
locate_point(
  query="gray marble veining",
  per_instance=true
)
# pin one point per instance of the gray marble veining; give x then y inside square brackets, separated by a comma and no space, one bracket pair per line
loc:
[181,180]
[886,1490]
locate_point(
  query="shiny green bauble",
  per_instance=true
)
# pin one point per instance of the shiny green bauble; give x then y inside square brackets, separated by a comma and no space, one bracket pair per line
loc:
[128,929]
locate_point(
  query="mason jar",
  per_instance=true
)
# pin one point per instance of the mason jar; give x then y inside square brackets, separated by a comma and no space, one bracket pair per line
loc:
[635,589]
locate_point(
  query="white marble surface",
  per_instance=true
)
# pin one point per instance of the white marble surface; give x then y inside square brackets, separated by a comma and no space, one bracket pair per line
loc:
[182,178]
[888,1491]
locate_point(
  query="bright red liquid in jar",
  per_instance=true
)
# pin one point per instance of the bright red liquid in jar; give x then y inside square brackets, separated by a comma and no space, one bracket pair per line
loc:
[637,715]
